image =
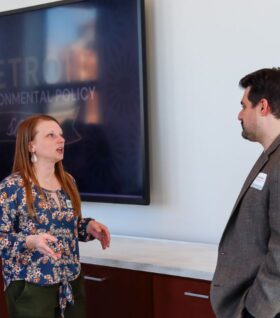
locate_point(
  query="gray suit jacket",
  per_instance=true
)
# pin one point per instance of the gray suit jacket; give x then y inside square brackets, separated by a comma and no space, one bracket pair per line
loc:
[248,267]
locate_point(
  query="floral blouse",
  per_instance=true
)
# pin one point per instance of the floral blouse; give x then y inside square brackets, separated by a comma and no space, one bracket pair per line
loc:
[21,263]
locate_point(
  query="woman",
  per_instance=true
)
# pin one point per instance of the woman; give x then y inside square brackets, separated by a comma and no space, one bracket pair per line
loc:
[40,225]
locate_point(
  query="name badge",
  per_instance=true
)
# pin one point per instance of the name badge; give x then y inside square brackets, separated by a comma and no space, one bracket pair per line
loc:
[69,203]
[259,182]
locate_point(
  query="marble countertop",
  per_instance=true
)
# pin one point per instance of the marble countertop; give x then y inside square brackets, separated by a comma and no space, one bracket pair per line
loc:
[176,258]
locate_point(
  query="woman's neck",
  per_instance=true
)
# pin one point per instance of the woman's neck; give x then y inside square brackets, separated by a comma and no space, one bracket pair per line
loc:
[46,177]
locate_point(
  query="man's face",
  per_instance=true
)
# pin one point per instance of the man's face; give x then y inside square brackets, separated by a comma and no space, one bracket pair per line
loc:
[249,118]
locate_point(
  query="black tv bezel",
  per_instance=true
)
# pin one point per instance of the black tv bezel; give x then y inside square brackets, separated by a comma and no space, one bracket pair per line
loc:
[107,198]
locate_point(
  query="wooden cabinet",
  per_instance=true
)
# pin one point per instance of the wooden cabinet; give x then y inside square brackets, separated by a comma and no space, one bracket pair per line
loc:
[176,297]
[122,293]
[118,293]
[3,308]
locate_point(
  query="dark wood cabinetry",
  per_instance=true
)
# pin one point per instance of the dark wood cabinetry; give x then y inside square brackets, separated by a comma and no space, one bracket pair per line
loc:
[176,297]
[118,293]
[122,293]
[3,308]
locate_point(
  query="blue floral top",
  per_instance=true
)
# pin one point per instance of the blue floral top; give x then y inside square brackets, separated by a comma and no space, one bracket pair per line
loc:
[21,263]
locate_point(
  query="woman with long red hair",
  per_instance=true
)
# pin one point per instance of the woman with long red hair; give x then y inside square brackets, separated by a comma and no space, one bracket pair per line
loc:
[40,226]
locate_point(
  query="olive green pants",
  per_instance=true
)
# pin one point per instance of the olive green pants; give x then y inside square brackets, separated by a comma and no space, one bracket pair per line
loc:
[25,300]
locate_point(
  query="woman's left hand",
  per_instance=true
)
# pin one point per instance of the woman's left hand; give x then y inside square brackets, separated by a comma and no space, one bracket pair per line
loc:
[100,232]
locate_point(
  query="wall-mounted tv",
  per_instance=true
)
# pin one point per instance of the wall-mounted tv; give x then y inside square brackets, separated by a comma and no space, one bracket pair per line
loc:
[82,62]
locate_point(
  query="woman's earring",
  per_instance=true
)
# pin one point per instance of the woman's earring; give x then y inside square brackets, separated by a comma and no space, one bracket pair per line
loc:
[33,157]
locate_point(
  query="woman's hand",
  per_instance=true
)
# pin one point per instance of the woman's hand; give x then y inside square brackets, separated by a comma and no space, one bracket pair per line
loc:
[40,243]
[100,232]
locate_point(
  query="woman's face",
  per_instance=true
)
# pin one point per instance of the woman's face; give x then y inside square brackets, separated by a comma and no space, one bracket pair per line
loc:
[48,142]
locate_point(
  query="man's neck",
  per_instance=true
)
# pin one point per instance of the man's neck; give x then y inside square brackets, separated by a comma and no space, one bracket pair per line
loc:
[269,138]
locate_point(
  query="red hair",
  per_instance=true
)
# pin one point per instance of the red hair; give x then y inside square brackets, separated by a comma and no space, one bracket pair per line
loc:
[22,165]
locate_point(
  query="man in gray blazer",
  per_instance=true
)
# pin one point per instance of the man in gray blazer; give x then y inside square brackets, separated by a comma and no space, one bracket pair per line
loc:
[246,282]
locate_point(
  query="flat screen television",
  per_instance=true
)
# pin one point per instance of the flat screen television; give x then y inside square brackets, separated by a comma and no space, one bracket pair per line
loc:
[82,62]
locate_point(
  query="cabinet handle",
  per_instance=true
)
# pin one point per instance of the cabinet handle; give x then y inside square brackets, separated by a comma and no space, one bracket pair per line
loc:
[196,295]
[96,279]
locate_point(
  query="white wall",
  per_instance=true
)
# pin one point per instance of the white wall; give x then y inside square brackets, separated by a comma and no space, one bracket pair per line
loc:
[197,52]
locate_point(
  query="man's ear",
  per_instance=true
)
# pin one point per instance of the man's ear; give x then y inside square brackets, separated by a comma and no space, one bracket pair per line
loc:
[264,107]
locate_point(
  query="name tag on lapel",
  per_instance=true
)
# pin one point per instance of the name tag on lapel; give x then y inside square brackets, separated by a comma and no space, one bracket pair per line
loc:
[259,182]
[69,204]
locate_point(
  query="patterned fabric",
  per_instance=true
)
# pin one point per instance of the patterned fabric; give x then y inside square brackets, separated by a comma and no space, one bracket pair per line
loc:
[21,263]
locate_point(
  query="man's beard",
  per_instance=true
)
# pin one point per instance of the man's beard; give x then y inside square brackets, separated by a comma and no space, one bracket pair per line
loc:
[246,135]
[243,132]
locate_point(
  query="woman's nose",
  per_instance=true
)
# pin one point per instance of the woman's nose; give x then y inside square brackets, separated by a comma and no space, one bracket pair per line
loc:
[61,139]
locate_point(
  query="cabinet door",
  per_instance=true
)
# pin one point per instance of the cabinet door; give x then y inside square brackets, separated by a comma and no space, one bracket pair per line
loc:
[176,297]
[3,308]
[117,293]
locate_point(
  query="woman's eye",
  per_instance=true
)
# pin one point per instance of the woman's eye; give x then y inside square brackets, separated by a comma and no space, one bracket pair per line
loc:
[51,135]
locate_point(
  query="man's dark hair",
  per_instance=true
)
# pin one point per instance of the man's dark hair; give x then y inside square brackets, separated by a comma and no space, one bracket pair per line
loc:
[264,83]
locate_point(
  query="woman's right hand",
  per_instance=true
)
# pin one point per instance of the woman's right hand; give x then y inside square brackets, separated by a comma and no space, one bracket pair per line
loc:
[40,242]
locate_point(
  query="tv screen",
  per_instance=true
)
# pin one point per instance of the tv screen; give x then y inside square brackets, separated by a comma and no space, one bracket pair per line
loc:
[82,62]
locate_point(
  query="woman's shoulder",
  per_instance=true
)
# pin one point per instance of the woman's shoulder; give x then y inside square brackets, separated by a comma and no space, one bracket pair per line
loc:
[13,182]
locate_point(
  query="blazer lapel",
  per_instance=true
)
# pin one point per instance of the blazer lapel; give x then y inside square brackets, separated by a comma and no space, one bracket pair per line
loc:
[251,177]
[256,169]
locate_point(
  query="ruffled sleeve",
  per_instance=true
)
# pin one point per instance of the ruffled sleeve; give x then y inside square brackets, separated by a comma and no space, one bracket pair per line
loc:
[12,242]
[82,233]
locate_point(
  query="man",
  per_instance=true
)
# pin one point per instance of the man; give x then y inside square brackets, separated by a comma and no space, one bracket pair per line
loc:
[246,282]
